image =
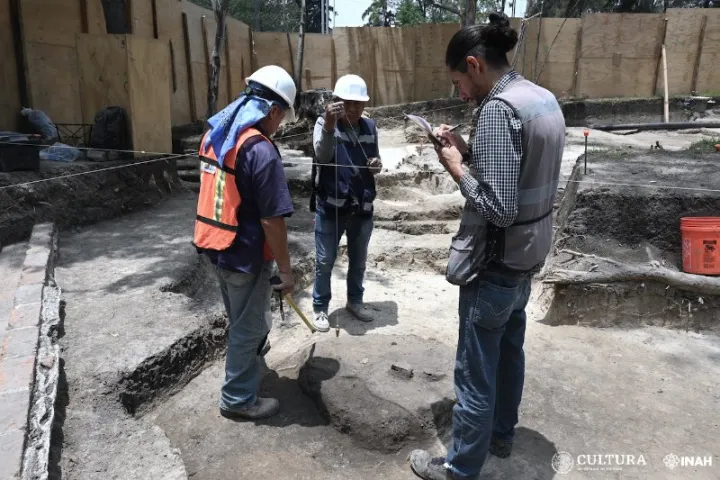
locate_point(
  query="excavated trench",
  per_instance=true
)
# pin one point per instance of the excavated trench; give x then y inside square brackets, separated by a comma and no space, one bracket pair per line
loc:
[619,244]
[415,212]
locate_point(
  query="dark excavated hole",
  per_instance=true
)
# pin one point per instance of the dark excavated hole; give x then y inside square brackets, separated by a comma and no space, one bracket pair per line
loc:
[356,386]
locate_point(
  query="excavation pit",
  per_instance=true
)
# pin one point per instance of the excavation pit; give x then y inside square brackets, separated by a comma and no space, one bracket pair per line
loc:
[618,243]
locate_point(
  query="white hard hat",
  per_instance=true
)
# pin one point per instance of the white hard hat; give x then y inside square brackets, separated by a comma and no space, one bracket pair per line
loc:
[279,81]
[351,87]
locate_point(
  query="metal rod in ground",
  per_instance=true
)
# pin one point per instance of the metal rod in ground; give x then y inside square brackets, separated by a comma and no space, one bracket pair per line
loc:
[585,154]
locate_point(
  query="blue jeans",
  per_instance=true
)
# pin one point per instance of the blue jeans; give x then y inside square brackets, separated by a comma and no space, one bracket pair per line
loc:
[358,230]
[247,303]
[489,368]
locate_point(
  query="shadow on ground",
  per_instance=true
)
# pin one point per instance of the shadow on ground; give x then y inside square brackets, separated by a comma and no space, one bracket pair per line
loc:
[385,314]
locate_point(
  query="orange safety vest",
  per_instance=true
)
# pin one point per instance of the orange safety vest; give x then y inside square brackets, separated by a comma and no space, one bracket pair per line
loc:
[216,223]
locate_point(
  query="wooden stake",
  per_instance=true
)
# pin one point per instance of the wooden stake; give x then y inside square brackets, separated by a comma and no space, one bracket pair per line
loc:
[696,68]
[188,63]
[578,52]
[665,82]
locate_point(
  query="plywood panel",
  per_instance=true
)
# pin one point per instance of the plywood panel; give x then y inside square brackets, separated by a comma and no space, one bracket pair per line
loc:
[432,79]
[355,53]
[636,35]
[54,81]
[708,81]
[271,48]
[394,55]
[240,55]
[530,53]
[556,57]
[95,17]
[318,59]
[197,44]
[517,53]
[149,74]
[599,78]
[142,18]
[54,22]
[681,46]
[9,93]
[200,86]
[170,27]
[104,81]
[619,54]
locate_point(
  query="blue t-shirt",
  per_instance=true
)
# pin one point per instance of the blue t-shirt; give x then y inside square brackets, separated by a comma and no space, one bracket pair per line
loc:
[260,178]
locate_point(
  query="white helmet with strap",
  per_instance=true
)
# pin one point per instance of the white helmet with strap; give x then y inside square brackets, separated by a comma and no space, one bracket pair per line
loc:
[351,87]
[279,81]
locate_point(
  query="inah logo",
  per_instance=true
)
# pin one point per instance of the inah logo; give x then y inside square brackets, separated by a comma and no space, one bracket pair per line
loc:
[671,461]
[562,462]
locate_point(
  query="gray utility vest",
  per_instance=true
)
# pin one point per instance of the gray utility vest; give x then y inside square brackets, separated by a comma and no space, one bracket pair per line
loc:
[523,246]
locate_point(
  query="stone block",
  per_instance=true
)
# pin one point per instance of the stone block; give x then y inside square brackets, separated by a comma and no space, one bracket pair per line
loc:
[11,449]
[14,413]
[34,275]
[27,315]
[21,342]
[42,235]
[28,294]
[16,373]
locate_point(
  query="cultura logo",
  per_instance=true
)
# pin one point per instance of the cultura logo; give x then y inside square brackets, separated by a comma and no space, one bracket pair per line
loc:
[562,462]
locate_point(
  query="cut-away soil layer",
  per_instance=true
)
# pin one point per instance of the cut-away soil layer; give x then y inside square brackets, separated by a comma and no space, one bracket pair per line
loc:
[77,194]
[144,319]
[619,244]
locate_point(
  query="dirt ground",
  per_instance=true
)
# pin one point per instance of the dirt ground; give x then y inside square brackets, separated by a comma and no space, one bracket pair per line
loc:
[140,309]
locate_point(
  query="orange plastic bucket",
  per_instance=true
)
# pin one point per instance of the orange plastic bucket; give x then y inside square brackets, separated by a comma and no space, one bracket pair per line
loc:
[701,245]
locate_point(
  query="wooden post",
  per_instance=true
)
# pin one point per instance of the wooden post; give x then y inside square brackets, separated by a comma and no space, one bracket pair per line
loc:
[308,79]
[18,35]
[230,95]
[153,5]
[301,46]
[333,63]
[537,47]
[578,53]
[206,47]
[292,60]
[188,63]
[665,82]
[172,66]
[696,68]
[84,16]
[660,58]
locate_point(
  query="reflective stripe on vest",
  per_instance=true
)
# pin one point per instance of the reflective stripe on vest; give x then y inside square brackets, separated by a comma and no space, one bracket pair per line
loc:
[216,222]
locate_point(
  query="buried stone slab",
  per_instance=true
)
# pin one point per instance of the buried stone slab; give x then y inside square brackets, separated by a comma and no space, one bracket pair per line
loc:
[386,392]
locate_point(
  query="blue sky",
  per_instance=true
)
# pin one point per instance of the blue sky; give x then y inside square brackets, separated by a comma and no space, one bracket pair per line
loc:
[350,11]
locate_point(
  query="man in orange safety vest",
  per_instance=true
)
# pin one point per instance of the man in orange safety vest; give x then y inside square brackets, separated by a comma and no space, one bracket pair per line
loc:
[240,226]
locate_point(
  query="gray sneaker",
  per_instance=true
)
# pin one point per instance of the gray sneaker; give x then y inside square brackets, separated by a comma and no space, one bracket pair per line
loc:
[429,468]
[262,408]
[361,311]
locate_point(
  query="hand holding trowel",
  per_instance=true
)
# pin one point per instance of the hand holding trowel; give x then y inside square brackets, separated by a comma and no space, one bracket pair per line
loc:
[277,284]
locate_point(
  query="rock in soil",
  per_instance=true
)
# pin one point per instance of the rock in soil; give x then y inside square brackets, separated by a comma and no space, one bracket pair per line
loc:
[354,385]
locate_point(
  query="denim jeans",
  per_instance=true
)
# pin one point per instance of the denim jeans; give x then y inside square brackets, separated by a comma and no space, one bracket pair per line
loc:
[247,303]
[328,232]
[489,368]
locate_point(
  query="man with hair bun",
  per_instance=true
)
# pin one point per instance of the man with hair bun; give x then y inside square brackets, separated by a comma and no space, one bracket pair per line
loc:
[504,236]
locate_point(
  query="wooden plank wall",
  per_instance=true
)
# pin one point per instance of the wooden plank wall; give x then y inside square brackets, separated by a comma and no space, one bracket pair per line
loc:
[600,55]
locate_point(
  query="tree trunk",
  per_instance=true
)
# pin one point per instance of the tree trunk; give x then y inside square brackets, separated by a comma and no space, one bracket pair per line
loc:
[301,45]
[470,15]
[221,8]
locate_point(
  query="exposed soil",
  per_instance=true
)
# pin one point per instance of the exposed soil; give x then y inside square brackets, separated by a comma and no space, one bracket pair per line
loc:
[145,333]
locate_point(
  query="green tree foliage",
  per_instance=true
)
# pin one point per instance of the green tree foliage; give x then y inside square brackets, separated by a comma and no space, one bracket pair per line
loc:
[275,15]
[401,13]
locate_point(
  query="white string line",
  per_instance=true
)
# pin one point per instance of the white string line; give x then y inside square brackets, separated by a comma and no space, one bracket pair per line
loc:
[117,167]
